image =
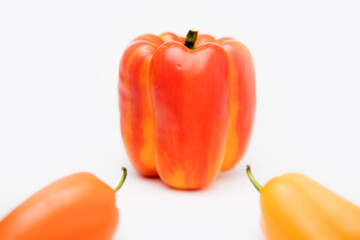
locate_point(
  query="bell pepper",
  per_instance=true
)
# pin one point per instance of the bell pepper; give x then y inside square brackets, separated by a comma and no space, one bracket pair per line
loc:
[298,208]
[79,206]
[186,106]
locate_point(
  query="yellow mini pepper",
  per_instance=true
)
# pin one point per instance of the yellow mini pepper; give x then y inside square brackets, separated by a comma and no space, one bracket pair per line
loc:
[295,207]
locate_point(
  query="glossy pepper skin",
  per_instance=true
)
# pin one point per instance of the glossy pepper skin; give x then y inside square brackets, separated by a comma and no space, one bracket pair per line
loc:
[186,113]
[296,207]
[76,207]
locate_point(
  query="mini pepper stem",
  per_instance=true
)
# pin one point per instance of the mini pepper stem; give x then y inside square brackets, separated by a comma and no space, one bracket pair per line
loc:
[252,179]
[122,179]
[191,39]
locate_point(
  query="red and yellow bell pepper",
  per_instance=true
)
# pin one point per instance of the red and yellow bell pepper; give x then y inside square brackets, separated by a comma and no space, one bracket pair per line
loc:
[186,106]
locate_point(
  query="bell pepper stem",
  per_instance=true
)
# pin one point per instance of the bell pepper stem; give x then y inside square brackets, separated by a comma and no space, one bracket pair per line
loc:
[252,179]
[191,39]
[122,179]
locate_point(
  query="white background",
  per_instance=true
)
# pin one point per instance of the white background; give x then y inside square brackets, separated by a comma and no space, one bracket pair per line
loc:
[59,115]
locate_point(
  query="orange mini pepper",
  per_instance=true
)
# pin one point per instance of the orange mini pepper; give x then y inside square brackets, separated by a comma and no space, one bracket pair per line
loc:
[186,106]
[298,208]
[76,207]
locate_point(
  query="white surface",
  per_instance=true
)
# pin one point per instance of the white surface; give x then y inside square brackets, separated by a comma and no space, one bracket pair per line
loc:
[59,113]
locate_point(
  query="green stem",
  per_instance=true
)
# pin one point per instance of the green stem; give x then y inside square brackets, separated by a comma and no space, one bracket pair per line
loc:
[122,179]
[252,179]
[191,39]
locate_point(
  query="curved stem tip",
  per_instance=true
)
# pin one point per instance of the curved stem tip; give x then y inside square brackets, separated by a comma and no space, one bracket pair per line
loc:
[252,179]
[122,179]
